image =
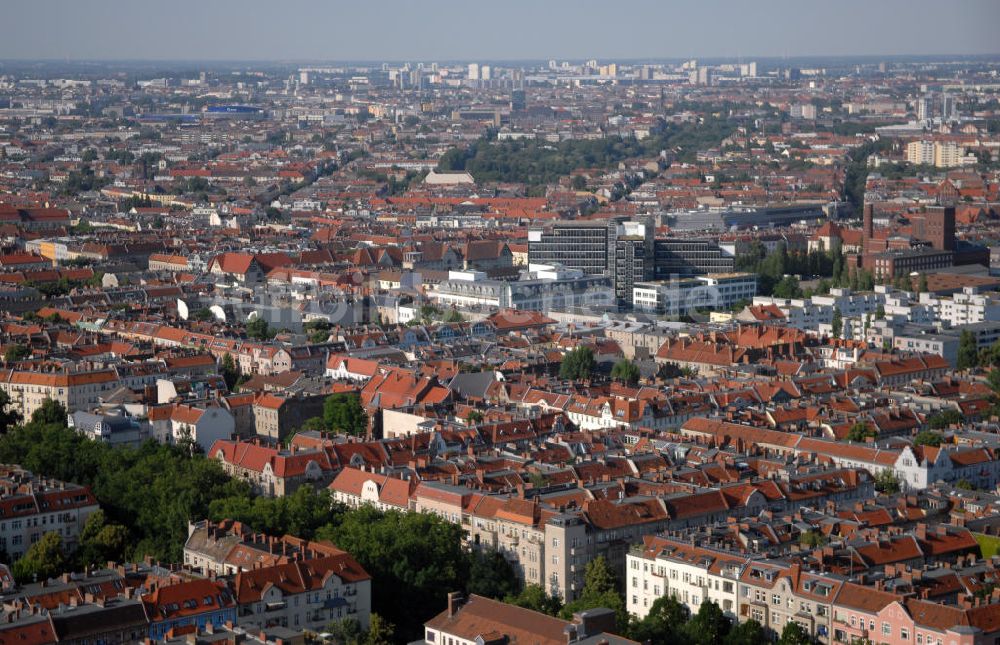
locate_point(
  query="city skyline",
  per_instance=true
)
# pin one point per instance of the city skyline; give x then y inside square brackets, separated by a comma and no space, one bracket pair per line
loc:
[301,30]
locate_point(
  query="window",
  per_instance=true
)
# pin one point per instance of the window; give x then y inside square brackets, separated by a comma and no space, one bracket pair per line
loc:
[904,634]
[775,599]
[886,629]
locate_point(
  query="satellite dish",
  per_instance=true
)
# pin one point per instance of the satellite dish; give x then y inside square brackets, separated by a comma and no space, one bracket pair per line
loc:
[182,309]
[254,315]
[218,312]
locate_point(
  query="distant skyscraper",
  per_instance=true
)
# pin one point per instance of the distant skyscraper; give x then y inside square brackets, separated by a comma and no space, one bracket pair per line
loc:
[518,101]
[473,71]
[485,73]
[304,77]
[924,108]
[948,111]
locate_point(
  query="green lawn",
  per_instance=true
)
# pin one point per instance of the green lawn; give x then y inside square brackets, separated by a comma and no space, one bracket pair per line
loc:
[988,544]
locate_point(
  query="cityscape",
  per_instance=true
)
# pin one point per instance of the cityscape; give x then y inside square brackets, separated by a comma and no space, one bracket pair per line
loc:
[406,339]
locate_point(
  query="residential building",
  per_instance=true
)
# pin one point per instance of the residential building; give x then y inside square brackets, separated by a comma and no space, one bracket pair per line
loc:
[31,506]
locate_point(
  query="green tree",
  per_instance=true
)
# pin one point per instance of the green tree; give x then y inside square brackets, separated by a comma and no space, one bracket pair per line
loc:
[968,351]
[922,283]
[794,634]
[664,623]
[600,589]
[859,432]
[153,490]
[534,597]
[414,556]
[838,323]
[16,352]
[313,424]
[880,312]
[578,364]
[202,314]
[964,484]
[8,418]
[927,438]
[101,542]
[748,633]
[708,626]
[230,371]
[625,371]
[51,411]
[301,513]
[887,482]
[474,417]
[43,560]
[787,287]
[342,412]
[491,575]
[380,632]
[260,330]
[346,631]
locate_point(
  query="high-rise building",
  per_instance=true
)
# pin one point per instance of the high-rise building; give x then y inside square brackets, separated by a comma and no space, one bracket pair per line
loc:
[688,257]
[518,101]
[948,111]
[948,154]
[920,152]
[473,71]
[626,251]
[575,245]
[485,73]
[925,109]
[633,257]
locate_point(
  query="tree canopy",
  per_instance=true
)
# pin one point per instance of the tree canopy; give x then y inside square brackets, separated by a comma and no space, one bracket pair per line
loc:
[342,412]
[577,364]
[625,371]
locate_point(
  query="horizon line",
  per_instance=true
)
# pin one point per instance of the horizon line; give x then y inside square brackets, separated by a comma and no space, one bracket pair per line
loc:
[345,61]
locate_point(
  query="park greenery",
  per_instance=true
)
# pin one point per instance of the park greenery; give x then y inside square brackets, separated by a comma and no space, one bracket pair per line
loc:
[540,162]
[777,270]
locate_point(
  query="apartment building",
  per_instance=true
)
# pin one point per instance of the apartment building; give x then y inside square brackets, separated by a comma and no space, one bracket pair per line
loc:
[75,389]
[307,594]
[354,487]
[688,573]
[687,295]
[197,603]
[965,308]
[276,416]
[31,506]
[270,470]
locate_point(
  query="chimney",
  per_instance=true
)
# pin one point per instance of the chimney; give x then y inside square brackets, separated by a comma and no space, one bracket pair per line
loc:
[455,602]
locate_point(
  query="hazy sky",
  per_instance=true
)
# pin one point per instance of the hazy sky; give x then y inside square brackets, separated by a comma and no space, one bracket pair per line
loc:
[496,29]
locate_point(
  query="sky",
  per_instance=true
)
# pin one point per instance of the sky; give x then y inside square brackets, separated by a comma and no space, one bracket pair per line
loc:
[443,30]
